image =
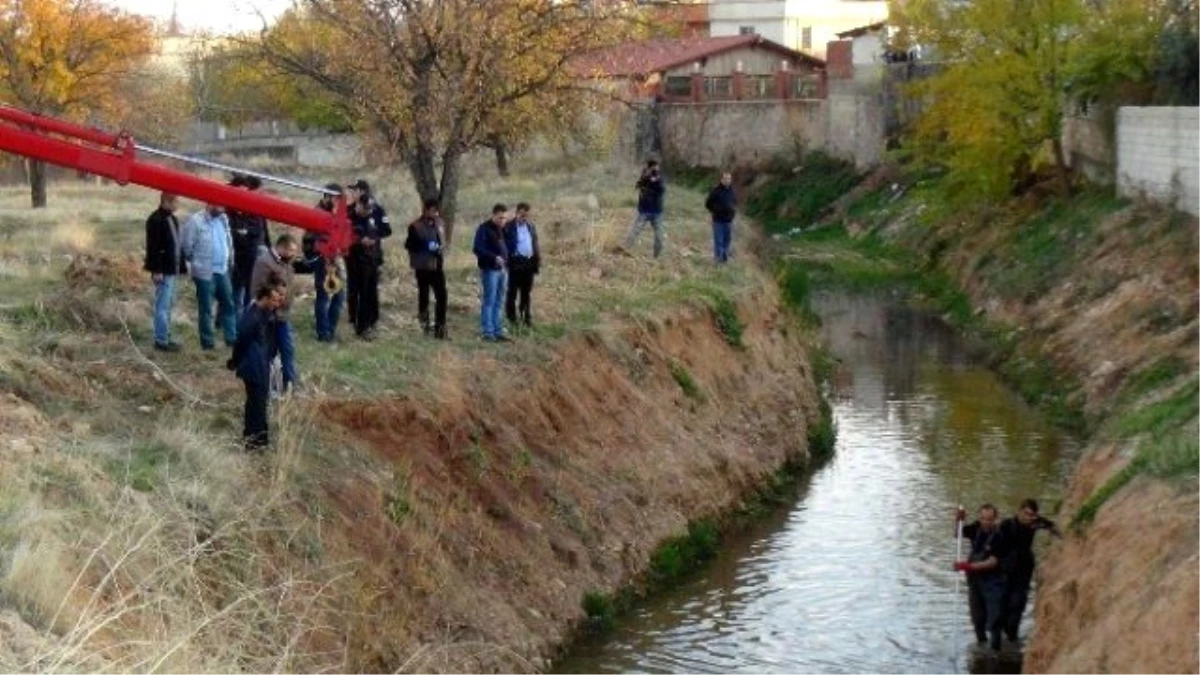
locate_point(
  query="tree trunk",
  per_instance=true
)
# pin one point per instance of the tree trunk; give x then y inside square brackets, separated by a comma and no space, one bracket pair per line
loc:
[449,191]
[1064,172]
[501,159]
[37,183]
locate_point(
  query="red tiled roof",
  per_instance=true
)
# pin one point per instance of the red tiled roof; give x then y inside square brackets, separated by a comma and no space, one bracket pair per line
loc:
[655,56]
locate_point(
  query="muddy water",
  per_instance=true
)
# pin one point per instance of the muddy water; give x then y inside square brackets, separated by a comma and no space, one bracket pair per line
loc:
[855,577]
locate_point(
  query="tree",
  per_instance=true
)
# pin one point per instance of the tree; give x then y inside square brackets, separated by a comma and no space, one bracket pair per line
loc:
[233,85]
[65,58]
[434,79]
[994,113]
[152,103]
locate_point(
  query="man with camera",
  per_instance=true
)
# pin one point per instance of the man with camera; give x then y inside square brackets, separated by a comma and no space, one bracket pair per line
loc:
[650,188]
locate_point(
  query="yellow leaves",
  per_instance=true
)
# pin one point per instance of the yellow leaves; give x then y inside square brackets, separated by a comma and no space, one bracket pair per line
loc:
[65,56]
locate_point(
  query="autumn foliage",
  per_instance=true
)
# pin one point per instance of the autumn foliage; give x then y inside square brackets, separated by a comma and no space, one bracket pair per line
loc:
[68,58]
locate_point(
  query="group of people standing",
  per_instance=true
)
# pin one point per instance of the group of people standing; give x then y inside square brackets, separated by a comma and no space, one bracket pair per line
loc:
[1000,568]
[235,266]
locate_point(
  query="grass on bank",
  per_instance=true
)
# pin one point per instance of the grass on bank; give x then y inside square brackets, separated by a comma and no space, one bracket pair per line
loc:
[123,469]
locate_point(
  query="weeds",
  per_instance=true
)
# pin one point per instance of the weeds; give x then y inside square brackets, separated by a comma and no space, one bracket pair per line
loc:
[683,377]
[681,555]
[822,436]
[728,321]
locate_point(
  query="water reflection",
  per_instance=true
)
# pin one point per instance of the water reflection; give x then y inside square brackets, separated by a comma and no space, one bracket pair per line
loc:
[856,576]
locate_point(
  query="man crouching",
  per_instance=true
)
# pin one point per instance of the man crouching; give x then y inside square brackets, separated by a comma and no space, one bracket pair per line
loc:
[252,358]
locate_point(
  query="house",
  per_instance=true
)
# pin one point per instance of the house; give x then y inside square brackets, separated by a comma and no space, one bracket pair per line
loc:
[801,25]
[679,18]
[737,67]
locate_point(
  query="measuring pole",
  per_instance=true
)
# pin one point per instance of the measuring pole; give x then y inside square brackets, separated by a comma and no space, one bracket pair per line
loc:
[959,517]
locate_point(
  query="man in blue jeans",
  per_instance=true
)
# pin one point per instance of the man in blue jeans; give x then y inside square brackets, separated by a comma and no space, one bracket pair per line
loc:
[164,262]
[492,257]
[208,246]
[722,204]
[327,307]
[276,263]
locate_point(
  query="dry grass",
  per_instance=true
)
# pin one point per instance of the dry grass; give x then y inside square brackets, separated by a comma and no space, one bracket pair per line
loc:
[136,536]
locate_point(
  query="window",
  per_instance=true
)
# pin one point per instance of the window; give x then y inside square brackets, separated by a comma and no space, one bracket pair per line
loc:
[806,37]
[746,30]
[678,85]
[718,87]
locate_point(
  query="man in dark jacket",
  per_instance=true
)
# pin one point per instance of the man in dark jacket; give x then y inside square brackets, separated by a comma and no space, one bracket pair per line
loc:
[164,262]
[426,237]
[250,239]
[985,577]
[328,275]
[650,189]
[371,225]
[492,257]
[276,263]
[1019,563]
[722,204]
[524,262]
[251,359]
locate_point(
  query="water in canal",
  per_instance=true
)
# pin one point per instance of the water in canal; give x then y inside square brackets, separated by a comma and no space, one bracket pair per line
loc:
[856,576]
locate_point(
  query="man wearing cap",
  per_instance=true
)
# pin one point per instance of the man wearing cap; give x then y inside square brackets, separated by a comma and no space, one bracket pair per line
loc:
[370,224]
[327,308]
[250,240]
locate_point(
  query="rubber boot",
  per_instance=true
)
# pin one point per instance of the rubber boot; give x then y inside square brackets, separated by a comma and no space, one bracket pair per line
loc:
[426,327]
[439,332]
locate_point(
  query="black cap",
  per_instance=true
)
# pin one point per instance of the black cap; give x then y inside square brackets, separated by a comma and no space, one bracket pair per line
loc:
[333,187]
[361,185]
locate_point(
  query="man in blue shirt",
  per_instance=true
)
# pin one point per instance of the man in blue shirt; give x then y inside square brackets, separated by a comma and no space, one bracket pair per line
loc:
[524,262]
[492,257]
[208,248]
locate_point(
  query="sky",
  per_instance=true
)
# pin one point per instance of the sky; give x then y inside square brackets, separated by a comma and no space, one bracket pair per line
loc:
[219,16]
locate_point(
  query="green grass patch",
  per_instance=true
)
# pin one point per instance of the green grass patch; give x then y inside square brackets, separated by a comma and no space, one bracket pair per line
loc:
[728,322]
[1163,372]
[1172,456]
[797,199]
[1163,416]
[140,469]
[681,555]
[687,383]
[822,436]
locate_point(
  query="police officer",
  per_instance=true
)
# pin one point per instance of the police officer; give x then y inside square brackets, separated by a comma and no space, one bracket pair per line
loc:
[371,227]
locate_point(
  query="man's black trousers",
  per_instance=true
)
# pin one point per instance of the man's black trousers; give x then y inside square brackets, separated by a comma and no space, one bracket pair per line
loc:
[431,280]
[254,431]
[520,287]
[362,293]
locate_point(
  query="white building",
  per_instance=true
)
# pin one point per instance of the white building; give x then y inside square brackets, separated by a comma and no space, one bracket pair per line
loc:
[802,25]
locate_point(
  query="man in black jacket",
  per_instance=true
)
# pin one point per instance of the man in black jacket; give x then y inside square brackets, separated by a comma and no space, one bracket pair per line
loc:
[524,262]
[164,262]
[426,237]
[722,204]
[985,576]
[250,239]
[251,359]
[650,189]
[1019,563]
[371,225]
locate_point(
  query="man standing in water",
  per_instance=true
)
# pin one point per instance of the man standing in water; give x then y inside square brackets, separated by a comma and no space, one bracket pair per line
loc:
[1017,533]
[985,579]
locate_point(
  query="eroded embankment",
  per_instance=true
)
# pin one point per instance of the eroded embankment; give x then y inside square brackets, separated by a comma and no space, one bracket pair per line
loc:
[1091,308]
[514,491]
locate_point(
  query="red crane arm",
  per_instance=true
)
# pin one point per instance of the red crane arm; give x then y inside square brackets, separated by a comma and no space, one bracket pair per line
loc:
[115,157]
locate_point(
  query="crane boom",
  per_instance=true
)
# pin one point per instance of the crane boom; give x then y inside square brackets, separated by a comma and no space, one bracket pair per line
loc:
[115,156]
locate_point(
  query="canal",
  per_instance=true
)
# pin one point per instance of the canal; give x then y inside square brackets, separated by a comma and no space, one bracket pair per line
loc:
[856,575]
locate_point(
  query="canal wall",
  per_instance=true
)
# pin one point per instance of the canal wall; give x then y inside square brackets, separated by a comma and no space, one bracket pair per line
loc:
[516,493]
[1090,308]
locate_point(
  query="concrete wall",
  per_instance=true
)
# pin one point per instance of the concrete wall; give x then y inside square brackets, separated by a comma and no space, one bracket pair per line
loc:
[722,134]
[1088,147]
[328,151]
[1157,155]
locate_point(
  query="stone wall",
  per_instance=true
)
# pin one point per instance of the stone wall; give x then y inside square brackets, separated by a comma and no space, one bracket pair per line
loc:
[1157,156]
[725,133]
